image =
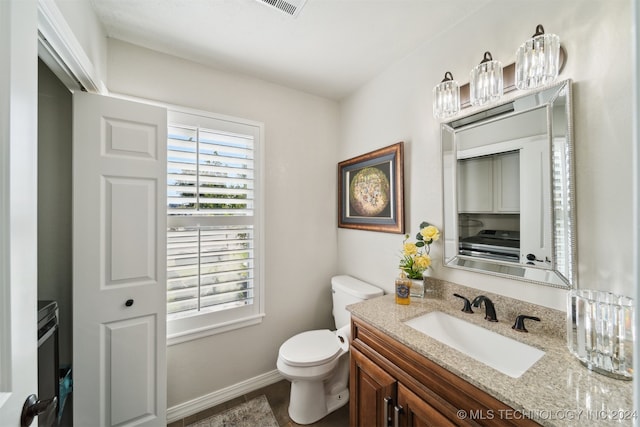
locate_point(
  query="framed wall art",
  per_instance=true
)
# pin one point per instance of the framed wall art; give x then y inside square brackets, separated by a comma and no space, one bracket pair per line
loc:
[371,191]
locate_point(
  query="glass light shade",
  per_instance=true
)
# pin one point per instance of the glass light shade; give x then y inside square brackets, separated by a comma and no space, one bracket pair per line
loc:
[446,97]
[486,81]
[538,60]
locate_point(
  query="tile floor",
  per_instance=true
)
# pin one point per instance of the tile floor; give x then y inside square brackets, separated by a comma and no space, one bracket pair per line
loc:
[278,396]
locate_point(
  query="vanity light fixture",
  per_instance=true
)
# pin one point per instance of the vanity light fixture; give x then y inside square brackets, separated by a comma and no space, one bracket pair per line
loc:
[446,97]
[486,81]
[538,60]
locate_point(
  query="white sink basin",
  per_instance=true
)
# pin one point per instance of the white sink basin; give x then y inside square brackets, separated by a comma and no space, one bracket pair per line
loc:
[502,353]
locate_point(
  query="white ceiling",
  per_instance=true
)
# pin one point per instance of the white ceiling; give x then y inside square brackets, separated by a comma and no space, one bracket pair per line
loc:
[331,48]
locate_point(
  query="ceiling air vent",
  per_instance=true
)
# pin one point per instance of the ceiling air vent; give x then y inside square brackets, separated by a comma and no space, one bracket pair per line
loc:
[290,7]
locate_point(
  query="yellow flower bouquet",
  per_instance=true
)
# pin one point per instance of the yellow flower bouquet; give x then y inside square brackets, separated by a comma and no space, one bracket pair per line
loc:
[415,255]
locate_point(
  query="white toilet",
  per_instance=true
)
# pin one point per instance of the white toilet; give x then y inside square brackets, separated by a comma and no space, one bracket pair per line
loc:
[317,362]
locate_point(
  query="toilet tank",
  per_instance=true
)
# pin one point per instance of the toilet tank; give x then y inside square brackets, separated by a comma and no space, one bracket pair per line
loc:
[349,290]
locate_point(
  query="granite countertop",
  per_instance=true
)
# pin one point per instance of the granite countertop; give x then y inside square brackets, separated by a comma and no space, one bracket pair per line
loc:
[556,391]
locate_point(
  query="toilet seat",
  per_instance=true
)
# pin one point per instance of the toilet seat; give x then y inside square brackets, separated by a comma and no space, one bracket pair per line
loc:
[311,348]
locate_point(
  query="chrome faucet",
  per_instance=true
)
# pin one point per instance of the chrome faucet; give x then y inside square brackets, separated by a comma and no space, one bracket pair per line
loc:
[490,310]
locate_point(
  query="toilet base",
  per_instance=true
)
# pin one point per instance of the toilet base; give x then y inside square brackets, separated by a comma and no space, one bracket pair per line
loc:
[309,403]
[337,401]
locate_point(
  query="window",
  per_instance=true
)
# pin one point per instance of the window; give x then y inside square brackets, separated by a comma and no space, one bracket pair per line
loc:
[214,222]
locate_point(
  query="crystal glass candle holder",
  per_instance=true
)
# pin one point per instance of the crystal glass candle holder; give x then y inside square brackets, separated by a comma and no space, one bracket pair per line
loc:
[446,97]
[486,81]
[600,331]
[538,60]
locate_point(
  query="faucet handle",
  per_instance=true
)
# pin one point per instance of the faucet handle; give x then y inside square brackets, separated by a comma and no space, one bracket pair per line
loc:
[467,304]
[519,325]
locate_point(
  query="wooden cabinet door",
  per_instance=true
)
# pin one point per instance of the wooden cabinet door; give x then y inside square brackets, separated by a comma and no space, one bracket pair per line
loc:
[412,411]
[371,391]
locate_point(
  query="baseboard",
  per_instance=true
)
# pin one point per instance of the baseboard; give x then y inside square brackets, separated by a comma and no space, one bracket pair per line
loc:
[201,403]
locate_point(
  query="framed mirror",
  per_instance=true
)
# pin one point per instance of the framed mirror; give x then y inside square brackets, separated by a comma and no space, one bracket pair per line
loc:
[509,189]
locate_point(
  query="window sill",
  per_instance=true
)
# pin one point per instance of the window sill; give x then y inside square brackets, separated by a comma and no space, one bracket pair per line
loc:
[194,334]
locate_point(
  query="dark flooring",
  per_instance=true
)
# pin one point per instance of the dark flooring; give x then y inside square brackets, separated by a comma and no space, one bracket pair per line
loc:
[278,396]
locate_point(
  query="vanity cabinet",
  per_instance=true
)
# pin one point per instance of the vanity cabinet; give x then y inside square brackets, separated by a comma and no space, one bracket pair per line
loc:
[489,184]
[392,385]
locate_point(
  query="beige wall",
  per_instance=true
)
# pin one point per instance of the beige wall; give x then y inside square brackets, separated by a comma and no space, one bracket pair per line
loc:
[300,228]
[396,106]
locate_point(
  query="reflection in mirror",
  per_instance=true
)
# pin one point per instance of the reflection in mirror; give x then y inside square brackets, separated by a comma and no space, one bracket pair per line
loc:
[509,205]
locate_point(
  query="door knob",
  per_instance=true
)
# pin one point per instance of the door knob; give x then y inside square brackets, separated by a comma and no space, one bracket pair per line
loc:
[33,407]
[129,303]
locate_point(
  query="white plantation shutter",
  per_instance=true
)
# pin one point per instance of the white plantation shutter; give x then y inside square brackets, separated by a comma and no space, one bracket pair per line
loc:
[210,268]
[213,223]
[219,165]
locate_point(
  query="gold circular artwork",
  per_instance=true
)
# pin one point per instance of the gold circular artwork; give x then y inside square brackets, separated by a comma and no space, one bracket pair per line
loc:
[369,192]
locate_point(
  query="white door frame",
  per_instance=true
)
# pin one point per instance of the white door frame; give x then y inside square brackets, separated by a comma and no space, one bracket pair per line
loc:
[18,206]
[635,87]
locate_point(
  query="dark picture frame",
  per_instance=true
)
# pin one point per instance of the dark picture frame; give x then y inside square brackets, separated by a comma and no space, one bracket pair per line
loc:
[371,191]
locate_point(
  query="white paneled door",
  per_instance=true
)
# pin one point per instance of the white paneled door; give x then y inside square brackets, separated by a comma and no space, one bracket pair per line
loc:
[119,262]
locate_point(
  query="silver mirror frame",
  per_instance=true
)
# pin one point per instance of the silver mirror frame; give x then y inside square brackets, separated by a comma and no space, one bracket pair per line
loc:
[563,270]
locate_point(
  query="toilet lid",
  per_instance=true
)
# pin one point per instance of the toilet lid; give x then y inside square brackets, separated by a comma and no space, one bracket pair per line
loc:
[310,348]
